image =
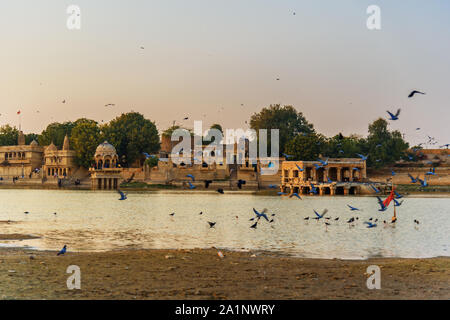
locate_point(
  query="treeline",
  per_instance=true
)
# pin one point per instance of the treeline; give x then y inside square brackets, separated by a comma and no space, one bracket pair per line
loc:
[299,139]
[132,135]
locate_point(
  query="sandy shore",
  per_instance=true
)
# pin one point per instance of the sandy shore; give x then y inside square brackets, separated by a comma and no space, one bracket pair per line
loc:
[202,274]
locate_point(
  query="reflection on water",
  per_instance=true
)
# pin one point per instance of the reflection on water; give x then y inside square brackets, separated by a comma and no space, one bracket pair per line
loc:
[96,221]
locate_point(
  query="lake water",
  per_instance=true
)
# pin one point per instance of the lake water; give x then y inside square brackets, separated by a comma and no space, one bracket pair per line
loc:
[98,221]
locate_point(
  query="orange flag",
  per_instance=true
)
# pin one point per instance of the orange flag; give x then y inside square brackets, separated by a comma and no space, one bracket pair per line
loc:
[389,199]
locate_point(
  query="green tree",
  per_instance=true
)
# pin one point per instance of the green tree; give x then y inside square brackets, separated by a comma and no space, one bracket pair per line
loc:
[383,146]
[29,137]
[85,137]
[132,134]
[289,122]
[8,135]
[306,147]
[55,132]
[152,161]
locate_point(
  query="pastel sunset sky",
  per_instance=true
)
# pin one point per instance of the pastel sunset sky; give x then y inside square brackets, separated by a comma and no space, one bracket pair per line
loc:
[205,58]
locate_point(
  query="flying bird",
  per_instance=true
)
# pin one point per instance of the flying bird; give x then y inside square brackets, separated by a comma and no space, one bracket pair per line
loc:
[423,182]
[287,156]
[299,169]
[370,224]
[318,216]
[382,206]
[374,188]
[191,176]
[296,195]
[211,224]
[262,214]
[363,158]
[394,116]
[413,180]
[397,203]
[352,208]
[415,92]
[191,186]
[431,172]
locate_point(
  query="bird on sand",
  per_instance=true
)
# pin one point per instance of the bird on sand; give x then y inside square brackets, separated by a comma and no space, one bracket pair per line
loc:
[220,190]
[123,196]
[201,212]
[26,212]
[253,226]
[394,116]
[172,214]
[415,92]
[63,250]
[211,224]
[416,221]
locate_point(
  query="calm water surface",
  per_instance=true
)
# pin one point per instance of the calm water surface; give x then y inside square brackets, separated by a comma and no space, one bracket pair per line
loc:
[97,221]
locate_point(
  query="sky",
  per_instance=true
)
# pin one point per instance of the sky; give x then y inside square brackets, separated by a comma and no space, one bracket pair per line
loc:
[218,61]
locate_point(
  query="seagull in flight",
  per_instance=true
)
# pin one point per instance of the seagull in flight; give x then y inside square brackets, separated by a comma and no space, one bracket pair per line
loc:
[296,195]
[423,182]
[382,206]
[413,180]
[363,158]
[415,92]
[262,214]
[394,116]
[374,188]
[211,224]
[370,224]
[191,176]
[352,208]
[320,216]
[299,169]
[123,196]
[287,156]
[431,172]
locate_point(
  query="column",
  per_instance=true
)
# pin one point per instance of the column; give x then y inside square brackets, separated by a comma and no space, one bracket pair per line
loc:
[325,175]
[339,174]
[351,175]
